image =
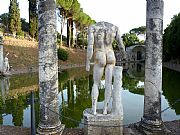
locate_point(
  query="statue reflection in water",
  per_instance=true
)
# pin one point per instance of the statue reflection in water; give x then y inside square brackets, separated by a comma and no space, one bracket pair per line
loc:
[5,85]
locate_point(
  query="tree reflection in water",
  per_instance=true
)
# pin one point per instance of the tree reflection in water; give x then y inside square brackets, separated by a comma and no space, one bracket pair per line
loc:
[75,94]
[171,88]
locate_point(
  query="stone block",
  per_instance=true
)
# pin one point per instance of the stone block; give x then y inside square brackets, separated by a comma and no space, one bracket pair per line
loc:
[102,124]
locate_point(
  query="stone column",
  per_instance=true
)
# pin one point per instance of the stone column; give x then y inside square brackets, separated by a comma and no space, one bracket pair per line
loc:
[151,120]
[1,58]
[117,108]
[48,69]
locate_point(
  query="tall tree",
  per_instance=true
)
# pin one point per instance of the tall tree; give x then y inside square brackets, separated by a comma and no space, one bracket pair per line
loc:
[171,39]
[64,6]
[33,24]
[14,18]
[4,20]
[75,10]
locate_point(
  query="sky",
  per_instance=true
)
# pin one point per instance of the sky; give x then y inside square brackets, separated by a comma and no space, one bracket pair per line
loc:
[126,14]
[23,5]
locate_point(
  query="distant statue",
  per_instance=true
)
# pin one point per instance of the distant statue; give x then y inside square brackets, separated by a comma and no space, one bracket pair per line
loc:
[6,63]
[1,40]
[100,38]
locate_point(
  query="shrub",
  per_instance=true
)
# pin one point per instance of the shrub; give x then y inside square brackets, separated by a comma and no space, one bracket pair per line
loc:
[62,54]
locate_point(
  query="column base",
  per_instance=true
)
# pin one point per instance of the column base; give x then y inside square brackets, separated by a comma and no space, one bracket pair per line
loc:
[148,127]
[50,130]
[102,124]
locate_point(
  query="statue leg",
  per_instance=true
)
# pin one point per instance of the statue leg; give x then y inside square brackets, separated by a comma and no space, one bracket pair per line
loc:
[97,75]
[108,86]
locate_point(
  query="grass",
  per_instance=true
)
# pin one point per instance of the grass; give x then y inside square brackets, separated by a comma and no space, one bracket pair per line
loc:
[23,57]
[76,56]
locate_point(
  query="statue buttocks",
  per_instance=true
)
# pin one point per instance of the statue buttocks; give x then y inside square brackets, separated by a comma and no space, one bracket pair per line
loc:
[100,38]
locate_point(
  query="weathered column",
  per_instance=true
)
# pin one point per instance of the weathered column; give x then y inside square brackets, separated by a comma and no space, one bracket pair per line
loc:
[48,69]
[151,120]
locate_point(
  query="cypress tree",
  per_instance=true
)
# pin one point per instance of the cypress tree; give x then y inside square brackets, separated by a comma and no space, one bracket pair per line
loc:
[14,18]
[33,24]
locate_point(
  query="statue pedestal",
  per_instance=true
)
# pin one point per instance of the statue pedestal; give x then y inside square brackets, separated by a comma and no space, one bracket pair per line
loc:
[102,124]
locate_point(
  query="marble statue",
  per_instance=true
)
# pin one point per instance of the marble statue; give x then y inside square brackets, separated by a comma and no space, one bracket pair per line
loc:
[6,63]
[1,40]
[100,38]
[1,56]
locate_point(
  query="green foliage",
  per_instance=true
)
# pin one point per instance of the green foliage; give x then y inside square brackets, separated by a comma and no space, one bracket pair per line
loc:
[23,80]
[33,21]
[171,87]
[115,45]
[130,39]
[64,4]
[75,9]
[70,10]
[139,30]
[62,54]
[24,25]
[14,18]
[4,21]
[64,38]
[63,76]
[4,18]
[81,41]
[20,34]
[171,39]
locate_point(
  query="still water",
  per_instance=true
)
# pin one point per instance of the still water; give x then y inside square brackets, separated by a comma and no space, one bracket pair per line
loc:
[74,96]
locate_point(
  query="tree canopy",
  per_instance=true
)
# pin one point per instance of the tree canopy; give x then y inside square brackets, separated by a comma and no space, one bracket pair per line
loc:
[71,11]
[4,21]
[171,39]
[132,38]
[139,31]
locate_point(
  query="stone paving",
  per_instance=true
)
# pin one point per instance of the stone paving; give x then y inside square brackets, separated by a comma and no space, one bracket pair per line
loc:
[173,126]
[14,130]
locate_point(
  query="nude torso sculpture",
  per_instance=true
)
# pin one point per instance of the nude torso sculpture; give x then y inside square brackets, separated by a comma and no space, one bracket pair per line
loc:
[100,38]
[6,64]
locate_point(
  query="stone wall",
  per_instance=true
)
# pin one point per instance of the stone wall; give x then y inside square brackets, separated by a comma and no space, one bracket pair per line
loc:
[135,52]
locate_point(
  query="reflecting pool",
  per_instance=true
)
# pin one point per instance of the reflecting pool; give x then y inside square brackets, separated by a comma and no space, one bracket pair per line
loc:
[75,96]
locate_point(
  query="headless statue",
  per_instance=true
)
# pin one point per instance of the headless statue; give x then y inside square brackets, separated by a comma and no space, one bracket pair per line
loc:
[100,38]
[6,63]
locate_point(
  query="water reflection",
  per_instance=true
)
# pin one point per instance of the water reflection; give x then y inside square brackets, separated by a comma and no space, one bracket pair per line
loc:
[14,92]
[171,88]
[5,84]
[75,95]
[133,79]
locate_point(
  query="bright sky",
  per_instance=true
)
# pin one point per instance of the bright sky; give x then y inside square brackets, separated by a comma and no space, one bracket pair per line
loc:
[23,5]
[126,14]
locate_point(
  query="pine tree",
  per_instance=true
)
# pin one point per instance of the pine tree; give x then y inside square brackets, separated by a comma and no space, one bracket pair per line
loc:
[14,18]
